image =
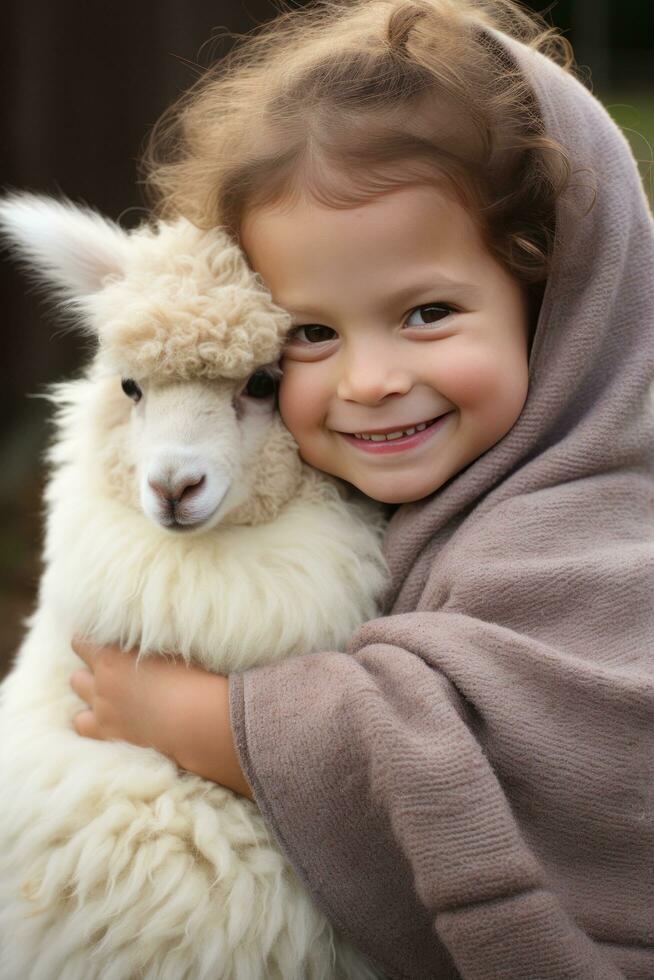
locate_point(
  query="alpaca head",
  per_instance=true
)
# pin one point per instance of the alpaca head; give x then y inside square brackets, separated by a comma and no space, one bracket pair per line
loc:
[185,371]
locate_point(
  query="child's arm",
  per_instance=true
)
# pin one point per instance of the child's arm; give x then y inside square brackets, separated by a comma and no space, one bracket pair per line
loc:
[367,767]
[182,711]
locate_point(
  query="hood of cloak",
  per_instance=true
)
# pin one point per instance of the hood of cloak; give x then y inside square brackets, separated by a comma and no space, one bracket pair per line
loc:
[589,414]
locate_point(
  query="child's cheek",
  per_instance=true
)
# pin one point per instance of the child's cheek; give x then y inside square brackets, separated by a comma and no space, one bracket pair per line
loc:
[297,395]
[465,376]
[489,384]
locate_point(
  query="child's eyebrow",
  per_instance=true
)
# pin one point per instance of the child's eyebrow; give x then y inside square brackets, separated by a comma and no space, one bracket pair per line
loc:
[429,288]
[432,285]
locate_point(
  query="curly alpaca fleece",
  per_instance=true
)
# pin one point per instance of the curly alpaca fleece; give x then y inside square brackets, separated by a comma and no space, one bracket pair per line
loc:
[114,865]
[188,307]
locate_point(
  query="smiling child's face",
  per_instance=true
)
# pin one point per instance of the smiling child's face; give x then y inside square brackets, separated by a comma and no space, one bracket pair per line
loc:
[409,354]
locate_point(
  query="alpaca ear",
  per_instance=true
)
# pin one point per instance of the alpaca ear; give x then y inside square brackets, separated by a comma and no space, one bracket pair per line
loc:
[69,247]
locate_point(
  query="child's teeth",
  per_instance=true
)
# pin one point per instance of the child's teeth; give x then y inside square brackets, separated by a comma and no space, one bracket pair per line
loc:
[380,437]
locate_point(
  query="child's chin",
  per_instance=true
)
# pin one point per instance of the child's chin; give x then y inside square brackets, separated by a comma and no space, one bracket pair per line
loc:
[395,493]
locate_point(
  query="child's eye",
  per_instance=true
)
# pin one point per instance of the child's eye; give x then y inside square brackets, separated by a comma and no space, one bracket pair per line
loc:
[430,313]
[313,333]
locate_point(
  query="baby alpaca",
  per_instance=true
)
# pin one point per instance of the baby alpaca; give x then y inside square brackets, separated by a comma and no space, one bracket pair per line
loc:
[179,519]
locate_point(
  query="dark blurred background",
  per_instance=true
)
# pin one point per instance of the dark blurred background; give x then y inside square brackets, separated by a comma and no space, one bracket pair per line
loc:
[81,82]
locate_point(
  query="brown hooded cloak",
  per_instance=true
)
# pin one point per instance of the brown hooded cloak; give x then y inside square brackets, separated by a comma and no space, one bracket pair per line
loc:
[469,791]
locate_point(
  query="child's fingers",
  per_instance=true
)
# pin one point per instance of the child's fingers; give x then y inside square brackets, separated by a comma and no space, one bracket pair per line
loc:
[84,723]
[82,684]
[85,651]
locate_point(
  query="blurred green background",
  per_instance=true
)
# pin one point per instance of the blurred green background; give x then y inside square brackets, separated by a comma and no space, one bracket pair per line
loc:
[82,82]
[633,110]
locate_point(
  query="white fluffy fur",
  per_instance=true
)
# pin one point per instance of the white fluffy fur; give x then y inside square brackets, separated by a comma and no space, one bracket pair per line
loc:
[114,864]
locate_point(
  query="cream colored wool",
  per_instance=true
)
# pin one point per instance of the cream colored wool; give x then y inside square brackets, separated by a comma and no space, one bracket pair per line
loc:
[113,863]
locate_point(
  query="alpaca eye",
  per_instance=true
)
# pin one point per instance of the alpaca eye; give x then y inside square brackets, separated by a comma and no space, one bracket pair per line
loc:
[131,389]
[260,385]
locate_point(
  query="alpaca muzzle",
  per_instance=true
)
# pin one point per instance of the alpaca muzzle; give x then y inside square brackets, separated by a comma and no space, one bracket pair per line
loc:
[182,498]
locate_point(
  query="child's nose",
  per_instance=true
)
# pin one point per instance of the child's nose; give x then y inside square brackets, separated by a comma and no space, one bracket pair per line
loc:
[369,378]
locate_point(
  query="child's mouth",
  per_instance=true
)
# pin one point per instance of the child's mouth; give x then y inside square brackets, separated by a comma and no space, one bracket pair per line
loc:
[398,440]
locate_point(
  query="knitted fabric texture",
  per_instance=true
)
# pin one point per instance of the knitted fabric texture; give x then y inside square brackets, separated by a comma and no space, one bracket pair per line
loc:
[469,790]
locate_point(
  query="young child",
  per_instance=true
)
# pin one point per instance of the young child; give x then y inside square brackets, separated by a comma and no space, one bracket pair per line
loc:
[468,790]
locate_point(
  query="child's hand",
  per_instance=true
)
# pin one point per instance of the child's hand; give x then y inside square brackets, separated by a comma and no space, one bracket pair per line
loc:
[182,711]
[134,704]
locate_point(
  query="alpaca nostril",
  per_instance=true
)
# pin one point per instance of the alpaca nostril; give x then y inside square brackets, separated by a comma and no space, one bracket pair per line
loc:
[189,489]
[161,489]
[173,492]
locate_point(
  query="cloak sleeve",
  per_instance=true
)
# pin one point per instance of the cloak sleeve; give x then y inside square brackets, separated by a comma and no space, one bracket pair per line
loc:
[367,769]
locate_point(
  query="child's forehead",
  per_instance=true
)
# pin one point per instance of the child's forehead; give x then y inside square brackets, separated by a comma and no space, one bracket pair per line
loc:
[392,243]
[408,210]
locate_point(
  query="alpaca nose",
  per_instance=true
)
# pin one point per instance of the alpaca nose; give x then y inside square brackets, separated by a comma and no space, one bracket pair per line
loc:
[173,491]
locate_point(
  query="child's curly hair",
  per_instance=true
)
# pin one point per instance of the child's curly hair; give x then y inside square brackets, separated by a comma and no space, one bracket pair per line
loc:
[351,98]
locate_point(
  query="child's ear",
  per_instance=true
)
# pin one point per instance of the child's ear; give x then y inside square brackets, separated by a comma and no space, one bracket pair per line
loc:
[70,248]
